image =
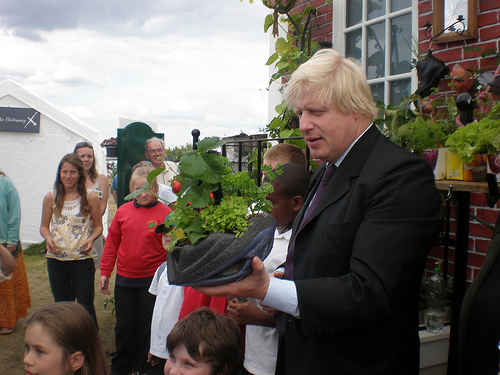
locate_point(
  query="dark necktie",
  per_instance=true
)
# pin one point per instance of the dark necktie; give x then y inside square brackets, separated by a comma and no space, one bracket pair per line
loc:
[280,317]
[317,196]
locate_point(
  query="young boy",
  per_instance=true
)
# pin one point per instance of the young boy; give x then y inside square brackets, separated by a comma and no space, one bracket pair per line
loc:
[165,313]
[261,339]
[203,343]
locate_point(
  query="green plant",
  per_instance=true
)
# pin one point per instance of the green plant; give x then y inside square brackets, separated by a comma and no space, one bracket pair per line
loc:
[480,137]
[211,197]
[414,129]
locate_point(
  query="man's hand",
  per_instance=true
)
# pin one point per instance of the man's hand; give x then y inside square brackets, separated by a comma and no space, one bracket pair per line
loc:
[254,285]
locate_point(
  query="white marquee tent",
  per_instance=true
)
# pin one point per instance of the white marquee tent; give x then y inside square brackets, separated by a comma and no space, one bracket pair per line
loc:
[30,160]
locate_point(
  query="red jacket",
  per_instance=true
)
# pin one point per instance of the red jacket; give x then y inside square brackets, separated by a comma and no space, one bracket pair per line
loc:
[133,243]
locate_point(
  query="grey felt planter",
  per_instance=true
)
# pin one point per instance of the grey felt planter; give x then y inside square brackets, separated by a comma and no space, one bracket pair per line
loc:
[221,258]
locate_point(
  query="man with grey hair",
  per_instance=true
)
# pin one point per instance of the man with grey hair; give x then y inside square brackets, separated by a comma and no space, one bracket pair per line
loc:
[155,153]
[349,296]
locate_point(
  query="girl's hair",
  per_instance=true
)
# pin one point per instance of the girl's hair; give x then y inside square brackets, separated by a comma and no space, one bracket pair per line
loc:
[93,171]
[142,170]
[74,160]
[208,337]
[73,330]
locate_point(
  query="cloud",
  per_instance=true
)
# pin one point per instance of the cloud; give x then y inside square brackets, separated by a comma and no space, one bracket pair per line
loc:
[178,63]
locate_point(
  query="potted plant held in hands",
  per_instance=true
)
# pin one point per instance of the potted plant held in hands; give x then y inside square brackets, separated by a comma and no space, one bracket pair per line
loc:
[220,221]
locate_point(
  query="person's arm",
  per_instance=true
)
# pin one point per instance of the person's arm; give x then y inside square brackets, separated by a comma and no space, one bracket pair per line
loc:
[103,186]
[7,262]
[48,202]
[13,215]
[95,214]
[246,313]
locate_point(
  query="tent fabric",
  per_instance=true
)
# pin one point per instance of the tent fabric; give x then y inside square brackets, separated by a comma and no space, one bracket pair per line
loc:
[30,160]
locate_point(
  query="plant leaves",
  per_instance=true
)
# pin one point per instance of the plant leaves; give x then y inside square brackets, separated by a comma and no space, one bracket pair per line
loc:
[209,143]
[131,196]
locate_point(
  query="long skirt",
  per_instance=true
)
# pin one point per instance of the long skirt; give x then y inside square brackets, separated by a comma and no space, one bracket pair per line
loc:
[15,295]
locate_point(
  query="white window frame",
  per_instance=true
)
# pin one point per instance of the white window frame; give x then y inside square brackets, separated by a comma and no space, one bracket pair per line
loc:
[339,31]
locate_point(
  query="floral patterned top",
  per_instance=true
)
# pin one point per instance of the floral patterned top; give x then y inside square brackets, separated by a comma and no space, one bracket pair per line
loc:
[69,231]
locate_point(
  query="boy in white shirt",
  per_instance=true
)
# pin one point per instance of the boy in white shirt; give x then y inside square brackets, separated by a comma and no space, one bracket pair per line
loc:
[165,313]
[261,338]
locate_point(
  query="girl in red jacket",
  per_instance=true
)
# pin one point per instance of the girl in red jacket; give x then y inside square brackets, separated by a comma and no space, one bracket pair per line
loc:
[137,250]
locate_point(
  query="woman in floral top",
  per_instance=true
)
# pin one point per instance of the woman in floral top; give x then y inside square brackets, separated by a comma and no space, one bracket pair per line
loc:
[71,221]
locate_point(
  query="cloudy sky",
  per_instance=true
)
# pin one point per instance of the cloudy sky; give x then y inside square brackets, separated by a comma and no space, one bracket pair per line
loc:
[181,64]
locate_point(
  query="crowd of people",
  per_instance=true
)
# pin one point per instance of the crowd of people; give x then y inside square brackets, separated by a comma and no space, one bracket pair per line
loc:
[338,293]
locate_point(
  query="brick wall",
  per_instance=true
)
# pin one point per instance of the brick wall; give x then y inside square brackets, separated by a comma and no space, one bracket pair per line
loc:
[322,22]
[453,53]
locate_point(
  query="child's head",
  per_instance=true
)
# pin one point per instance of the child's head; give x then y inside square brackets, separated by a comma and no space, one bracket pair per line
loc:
[289,191]
[285,153]
[165,238]
[138,179]
[203,341]
[62,339]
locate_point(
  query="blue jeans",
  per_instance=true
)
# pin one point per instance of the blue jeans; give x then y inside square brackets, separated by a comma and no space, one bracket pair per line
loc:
[73,278]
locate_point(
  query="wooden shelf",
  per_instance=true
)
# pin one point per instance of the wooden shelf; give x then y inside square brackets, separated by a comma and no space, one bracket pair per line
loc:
[473,187]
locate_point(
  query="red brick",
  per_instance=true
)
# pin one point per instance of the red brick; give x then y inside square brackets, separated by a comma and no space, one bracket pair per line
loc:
[489,63]
[477,54]
[481,246]
[422,20]
[450,54]
[477,199]
[485,5]
[476,260]
[479,230]
[486,19]
[488,33]
[424,6]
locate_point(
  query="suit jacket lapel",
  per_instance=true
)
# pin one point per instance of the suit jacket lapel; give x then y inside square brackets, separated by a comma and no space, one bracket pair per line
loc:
[341,180]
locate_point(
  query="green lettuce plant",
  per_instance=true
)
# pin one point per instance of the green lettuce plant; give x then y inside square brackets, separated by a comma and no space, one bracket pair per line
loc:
[481,137]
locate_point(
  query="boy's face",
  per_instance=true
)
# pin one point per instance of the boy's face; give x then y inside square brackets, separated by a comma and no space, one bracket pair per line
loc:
[165,240]
[283,209]
[180,363]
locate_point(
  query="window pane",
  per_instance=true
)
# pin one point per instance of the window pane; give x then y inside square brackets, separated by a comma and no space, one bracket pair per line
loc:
[399,89]
[375,66]
[376,8]
[354,12]
[400,4]
[353,45]
[400,44]
[378,92]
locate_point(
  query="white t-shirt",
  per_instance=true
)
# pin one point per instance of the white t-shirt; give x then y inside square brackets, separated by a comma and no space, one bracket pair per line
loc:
[166,194]
[261,343]
[166,311]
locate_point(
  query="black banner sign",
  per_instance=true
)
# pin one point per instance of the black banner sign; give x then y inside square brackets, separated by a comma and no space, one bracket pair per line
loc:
[24,120]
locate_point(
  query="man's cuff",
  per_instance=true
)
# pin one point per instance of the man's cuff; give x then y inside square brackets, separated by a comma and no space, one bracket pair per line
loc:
[282,295]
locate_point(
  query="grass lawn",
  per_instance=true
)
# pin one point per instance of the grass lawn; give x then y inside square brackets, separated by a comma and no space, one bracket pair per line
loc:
[12,346]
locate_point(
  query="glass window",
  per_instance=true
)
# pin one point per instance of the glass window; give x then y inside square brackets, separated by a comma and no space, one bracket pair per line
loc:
[400,44]
[354,12]
[375,65]
[378,34]
[399,89]
[376,8]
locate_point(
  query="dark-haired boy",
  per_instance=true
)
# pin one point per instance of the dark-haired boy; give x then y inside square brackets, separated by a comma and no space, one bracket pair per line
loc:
[261,339]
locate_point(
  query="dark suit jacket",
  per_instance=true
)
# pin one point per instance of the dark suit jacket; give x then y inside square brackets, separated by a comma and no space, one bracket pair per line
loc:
[358,264]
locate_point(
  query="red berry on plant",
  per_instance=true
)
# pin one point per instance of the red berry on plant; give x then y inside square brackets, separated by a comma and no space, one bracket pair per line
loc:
[176,186]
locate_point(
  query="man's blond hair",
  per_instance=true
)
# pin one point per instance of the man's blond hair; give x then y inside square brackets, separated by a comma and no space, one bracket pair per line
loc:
[335,80]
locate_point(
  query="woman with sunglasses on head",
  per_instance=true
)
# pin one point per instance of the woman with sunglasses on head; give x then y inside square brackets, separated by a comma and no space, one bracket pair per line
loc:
[95,182]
